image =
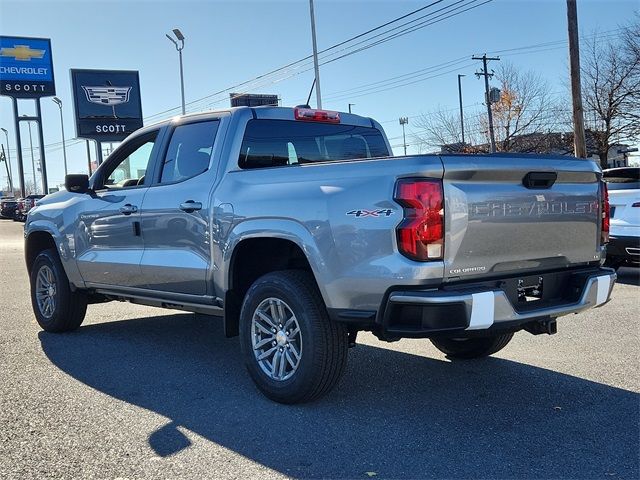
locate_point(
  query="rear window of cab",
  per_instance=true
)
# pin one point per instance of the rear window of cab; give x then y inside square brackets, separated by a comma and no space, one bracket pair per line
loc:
[275,143]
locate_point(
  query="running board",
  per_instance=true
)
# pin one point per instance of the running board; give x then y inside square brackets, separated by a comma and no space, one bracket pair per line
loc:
[163,303]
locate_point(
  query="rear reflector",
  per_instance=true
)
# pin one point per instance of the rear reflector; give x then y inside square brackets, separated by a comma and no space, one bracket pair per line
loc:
[311,115]
[421,233]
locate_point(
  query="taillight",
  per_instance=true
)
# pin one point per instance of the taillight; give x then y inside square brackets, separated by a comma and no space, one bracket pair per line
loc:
[421,233]
[604,236]
[311,115]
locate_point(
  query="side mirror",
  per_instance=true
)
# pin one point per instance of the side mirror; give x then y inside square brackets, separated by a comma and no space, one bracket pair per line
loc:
[77,183]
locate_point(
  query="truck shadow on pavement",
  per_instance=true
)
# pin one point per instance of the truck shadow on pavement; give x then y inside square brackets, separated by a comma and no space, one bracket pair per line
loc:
[393,413]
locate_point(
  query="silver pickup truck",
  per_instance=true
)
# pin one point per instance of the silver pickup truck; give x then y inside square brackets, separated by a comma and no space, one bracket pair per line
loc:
[299,228]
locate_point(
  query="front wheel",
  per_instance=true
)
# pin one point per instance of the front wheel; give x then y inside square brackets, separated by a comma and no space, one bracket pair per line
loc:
[57,308]
[292,350]
[474,347]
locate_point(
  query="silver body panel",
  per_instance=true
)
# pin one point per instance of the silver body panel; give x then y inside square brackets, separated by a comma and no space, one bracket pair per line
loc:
[355,260]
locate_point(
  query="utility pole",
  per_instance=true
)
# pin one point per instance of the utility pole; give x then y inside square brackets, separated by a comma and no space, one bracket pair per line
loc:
[580,147]
[485,73]
[315,57]
[350,106]
[461,114]
[403,122]
[6,134]
[3,158]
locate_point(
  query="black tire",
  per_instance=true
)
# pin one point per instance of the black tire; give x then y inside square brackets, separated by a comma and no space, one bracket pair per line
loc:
[69,307]
[474,347]
[323,343]
[612,262]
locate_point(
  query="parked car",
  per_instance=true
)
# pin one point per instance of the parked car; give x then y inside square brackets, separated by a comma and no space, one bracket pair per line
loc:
[25,205]
[624,198]
[17,214]
[300,229]
[8,207]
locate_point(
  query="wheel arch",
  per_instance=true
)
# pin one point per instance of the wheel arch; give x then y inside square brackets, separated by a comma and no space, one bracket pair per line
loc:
[36,242]
[40,235]
[256,255]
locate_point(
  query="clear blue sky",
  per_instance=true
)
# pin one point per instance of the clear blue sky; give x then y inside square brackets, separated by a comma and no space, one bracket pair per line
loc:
[229,42]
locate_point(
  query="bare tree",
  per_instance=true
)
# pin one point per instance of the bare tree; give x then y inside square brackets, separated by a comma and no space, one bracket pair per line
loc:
[524,113]
[611,90]
[441,128]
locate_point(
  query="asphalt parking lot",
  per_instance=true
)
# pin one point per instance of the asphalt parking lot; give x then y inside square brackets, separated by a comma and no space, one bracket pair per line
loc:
[139,392]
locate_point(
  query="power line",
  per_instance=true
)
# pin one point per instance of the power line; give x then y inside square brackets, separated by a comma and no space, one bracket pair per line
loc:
[284,67]
[514,51]
[448,14]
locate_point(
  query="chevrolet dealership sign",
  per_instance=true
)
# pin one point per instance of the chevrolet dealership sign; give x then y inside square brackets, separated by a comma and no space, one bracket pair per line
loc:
[26,67]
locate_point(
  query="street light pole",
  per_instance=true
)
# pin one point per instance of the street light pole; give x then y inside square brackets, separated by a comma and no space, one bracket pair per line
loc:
[403,122]
[316,67]
[350,106]
[33,162]
[179,48]
[461,114]
[6,134]
[64,147]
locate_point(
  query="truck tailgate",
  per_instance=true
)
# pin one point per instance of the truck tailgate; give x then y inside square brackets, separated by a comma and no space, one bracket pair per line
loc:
[499,220]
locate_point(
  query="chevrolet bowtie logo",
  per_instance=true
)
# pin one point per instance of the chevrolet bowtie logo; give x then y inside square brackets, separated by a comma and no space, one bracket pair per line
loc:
[22,52]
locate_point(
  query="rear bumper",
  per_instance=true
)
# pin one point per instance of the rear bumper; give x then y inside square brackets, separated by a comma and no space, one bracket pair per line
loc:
[477,310]
[624,248]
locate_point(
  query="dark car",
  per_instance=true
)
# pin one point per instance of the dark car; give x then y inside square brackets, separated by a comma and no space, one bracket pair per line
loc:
[8,207]
[24,205]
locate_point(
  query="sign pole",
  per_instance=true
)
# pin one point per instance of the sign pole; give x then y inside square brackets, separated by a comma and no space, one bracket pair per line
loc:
[43,162]
[98,152]
[88,156]
[16,120]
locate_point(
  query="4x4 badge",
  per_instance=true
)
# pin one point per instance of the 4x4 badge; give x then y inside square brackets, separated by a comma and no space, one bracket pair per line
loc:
[386,212]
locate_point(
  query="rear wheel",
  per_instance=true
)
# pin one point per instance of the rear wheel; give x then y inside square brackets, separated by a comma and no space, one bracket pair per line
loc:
[292,350]
[475,347]
[613,262]
[56,307]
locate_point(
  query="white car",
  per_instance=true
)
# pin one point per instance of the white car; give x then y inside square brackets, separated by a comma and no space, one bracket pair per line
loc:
[624,199]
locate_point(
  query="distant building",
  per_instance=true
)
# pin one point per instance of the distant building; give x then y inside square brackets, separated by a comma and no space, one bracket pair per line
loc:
[551,143]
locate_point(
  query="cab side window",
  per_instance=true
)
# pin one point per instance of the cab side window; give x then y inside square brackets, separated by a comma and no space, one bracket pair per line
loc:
[130,170]
[189,151]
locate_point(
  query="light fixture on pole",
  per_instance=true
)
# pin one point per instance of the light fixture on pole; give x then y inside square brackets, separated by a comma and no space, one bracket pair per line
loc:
[33,162]
[179,47]
[64,147]
[6,134]
[403,122]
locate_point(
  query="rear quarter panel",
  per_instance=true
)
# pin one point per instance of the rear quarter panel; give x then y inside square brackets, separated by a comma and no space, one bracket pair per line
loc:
[353,257]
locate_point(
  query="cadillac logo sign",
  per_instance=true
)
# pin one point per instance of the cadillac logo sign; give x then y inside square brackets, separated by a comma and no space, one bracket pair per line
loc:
[107,95]
[107,103]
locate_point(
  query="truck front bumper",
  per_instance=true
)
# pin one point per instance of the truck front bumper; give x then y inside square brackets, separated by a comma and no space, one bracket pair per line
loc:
[479,309]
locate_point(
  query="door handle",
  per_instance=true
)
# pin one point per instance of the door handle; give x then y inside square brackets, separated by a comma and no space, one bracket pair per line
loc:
[128,209]
[190,206]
